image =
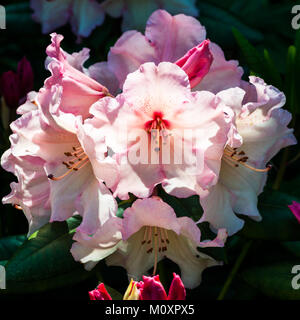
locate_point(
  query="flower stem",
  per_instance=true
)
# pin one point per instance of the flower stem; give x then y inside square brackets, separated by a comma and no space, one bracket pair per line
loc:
[235,269]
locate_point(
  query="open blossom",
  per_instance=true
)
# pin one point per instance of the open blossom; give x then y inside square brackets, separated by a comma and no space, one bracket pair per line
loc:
[148,289]
[295,208]
[151,231]
[176,140]
[83,15]
[259,132]
[51,155]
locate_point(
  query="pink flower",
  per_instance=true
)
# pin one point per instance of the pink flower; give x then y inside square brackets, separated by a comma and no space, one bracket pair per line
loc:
[258,133]
[15,86]
[79,90]
[148,289]
[144,110]
[151,231]
[83,15]
[51,155]
[166,39]
[295,208]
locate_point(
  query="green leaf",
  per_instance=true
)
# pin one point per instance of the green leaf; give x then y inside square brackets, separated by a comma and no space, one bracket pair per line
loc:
[272,70]
[296,83]
[219,23]
[290,79]
[273,280]
[252,57]
[278,223]
[9,245]
[292,247]
[45,262]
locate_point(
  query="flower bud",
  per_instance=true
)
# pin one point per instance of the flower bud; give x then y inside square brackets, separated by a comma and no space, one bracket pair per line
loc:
[100,293]
[196,62]
[25,75]
[177,290]
[152,289]
[295,208]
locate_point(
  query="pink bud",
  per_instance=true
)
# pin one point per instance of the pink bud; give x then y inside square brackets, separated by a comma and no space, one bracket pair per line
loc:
[152,289]
[100,293]
[25,75]
[295,208]
[9,85]
[177,290]
[196,62]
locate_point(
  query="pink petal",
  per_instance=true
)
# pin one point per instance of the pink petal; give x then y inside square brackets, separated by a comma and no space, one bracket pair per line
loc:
[223,74]
[128,53]
[196,62]
[177,290]
[169,36]
[152,289]
[149,212]
[100,293]
[79,90]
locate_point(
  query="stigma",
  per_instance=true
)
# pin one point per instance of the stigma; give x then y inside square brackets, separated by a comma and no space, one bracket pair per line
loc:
[77,160]
[237,158]
[156,240]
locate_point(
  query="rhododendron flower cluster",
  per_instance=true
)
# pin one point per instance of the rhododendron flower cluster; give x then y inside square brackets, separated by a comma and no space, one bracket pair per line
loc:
[167,112]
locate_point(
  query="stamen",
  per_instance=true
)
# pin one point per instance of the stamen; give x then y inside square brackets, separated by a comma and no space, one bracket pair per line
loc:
[77,166]
[235,159]
[16,206]
[145,235]
[155,251]
[149,235]
[166,236]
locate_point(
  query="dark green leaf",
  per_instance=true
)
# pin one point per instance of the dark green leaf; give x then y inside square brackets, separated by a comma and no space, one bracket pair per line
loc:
[252,57]
[44,262]
[219,23]
[9,245]
[278,222]
[273,280]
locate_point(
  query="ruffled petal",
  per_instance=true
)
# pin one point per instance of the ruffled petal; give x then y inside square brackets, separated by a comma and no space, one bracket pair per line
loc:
[149,212]
[91,249]
[128,53]
[223,74]
[217,206]
[79,90]
[32,191]
[168,34]
[191,262]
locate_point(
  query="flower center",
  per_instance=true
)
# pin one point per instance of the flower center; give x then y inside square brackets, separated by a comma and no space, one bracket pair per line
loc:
[78,160]
[156,239]
[158,122]
[158,127]
[236,158]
